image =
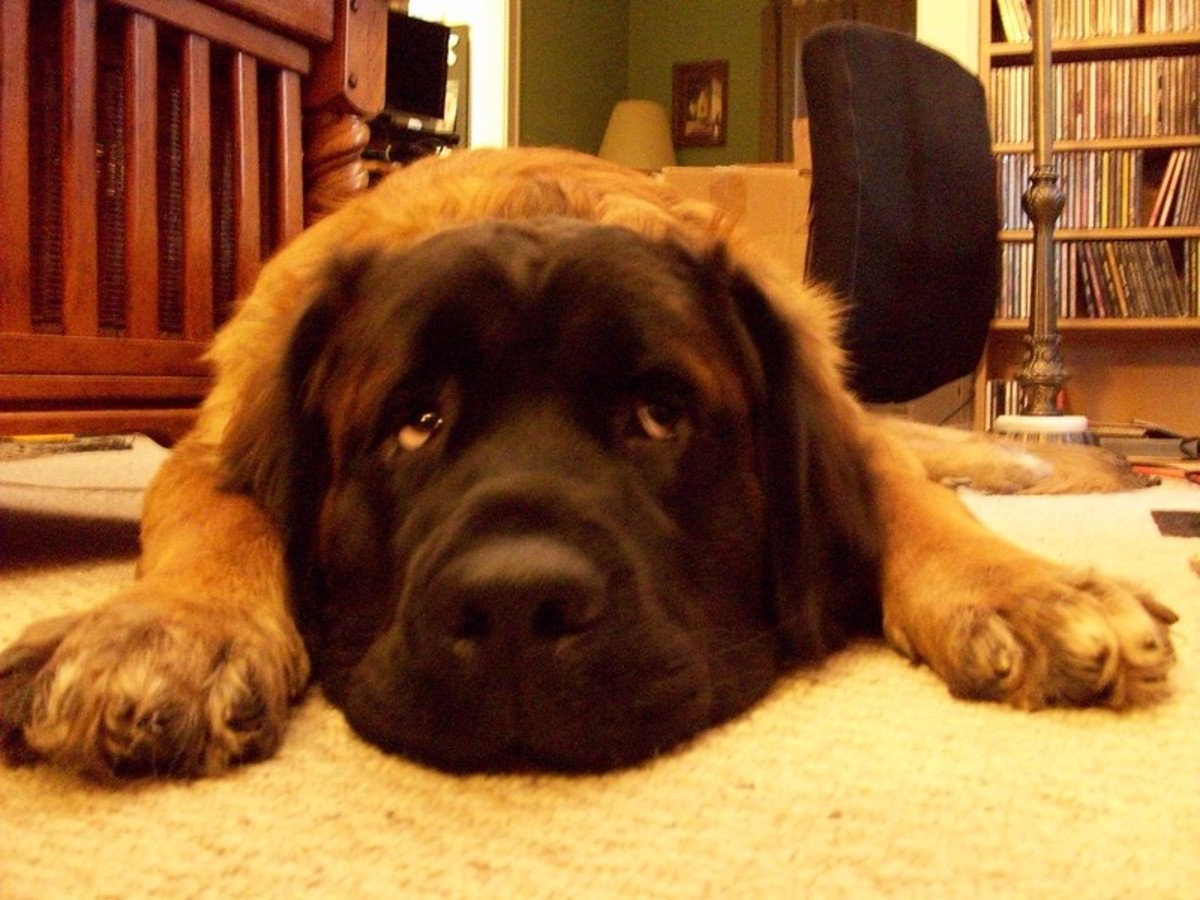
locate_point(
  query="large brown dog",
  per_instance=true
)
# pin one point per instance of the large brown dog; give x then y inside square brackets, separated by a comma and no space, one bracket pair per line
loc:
[538,466]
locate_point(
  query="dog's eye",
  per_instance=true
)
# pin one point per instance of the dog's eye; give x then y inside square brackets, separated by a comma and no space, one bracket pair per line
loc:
[419,430]
[658,420]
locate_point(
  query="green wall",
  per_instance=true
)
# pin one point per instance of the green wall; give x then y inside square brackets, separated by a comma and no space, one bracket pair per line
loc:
[574,57]
[578,57]
[664,32]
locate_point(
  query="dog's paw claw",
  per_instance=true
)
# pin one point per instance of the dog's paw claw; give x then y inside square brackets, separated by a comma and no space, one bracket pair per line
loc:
[991,661]
[138,741]
[1163,614]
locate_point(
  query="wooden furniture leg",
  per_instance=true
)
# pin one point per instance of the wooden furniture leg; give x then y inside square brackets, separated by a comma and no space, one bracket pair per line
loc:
[344,91]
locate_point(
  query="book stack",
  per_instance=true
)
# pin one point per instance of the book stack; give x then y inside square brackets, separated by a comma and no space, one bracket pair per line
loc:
[1178,199]
[1016,275]
[1125,282]
[1105,279]
[1091,18]
[1015,20]
[1093,99]
[1146,443]
[1105,187]
[1002,397]
[1191,274]
[1129,279]
[1165,16]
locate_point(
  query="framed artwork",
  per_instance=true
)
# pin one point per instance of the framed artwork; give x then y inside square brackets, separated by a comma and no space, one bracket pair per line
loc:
[699,103]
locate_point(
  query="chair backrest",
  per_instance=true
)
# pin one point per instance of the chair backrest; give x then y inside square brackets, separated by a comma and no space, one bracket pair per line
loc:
[904,217]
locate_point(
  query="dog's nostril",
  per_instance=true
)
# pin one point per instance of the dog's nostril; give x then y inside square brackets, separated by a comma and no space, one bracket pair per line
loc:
[565,614]
[558,618]
[510,593]
[475,624]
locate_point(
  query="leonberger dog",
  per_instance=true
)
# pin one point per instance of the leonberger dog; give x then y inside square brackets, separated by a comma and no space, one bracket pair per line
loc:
[530,462]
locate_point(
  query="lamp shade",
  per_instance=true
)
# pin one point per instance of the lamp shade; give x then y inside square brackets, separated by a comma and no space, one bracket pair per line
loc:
[638,136]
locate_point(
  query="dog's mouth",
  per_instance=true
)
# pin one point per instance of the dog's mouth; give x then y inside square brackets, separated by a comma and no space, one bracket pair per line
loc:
[556,716]
[536,731]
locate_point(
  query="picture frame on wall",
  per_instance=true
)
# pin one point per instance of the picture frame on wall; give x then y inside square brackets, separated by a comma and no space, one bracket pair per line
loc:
[699,104]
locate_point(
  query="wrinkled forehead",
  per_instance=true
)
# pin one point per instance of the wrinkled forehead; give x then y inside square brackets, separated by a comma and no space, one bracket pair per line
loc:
[553,298]
[611,289]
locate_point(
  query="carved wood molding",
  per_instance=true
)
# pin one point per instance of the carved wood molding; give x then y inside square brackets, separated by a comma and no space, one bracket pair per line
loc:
[334,170]
[346,89]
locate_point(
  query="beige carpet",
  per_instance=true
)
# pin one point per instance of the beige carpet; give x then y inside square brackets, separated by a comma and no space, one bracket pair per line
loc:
[860,779]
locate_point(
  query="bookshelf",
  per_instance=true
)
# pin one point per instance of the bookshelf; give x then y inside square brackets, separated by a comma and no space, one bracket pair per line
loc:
[1126,77]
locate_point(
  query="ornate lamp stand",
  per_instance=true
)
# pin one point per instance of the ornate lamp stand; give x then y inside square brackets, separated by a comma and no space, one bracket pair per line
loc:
[1042,372]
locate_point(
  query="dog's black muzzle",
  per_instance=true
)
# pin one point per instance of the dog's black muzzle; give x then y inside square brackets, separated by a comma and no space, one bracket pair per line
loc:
[534,626]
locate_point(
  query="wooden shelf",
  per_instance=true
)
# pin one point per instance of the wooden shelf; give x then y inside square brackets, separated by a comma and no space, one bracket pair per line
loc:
[1120,368]
[1108,234]
[1158,142]
[1116,324]
[1127,46]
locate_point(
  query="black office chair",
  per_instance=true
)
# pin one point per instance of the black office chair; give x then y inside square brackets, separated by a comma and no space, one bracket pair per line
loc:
[904,211]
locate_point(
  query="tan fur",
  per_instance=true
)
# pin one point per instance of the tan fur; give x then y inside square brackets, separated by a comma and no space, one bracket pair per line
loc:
[999,466]
[169,662]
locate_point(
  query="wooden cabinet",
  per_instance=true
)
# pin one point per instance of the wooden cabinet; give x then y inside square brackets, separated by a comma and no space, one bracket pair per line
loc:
[152,153]
[1127,78]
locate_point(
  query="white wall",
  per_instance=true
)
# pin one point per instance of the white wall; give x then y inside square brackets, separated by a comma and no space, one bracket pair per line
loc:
[951,26]
[489,21]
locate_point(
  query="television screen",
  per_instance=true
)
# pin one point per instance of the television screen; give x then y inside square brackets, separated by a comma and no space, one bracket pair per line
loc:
[417,54]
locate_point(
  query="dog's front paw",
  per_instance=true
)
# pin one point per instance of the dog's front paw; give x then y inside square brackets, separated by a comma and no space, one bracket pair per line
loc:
[1058,638]
[148,685]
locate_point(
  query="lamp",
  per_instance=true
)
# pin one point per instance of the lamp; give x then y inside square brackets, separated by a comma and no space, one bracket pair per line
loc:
[638,136]
[1042,372]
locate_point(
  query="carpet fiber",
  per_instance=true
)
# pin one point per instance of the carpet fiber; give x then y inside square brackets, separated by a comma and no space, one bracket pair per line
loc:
[859,778]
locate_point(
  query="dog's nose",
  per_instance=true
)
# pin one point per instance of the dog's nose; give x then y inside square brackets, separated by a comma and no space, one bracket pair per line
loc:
[509,595]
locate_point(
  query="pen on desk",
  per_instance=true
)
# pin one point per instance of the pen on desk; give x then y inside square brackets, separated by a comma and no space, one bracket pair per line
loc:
[39,438]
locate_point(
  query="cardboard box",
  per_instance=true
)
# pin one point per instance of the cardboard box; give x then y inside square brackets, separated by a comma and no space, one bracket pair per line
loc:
[770,201]
[801,146]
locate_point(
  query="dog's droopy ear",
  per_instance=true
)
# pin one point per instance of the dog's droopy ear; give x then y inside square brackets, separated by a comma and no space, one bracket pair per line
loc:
[277,439]
[277,446]
[823,531]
